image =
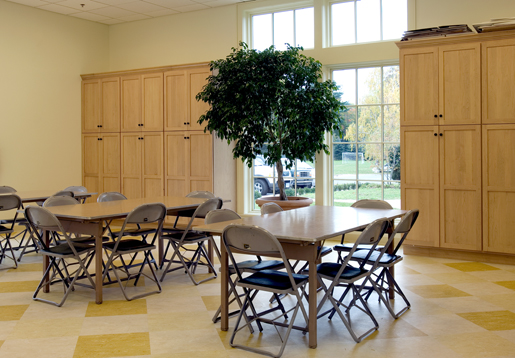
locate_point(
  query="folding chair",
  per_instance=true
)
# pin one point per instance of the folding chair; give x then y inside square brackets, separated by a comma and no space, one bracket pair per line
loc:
[347,276]
[202,194]
[181,241]
[254,240]
[40,220]
[384,280]
[78,189]
[364,203]
[249,266]
[143,214]
[8,202]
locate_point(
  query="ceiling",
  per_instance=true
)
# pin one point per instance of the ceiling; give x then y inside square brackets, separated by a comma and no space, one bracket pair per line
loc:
[118,11]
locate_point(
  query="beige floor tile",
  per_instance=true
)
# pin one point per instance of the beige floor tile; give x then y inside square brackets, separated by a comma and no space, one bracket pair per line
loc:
[481,288]
[507,284]
[55,347]
[506,301]
[179,321]
[70,309]
[112,345]
[16,298]
[114,324]
[117,308]
[492,320]
[12,312]
[47,328]
[201,340]
[464,304]
[472,266]
[437,291]
[420,347]
[492,276]
[485,344]
[441,324]
[6,327]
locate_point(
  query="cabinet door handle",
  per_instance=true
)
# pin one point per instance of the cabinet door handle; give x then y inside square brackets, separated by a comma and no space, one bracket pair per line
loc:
[188,124]
[436,134]
[100,126]
[436,116]
[441,116]
[184,123]
[441,134]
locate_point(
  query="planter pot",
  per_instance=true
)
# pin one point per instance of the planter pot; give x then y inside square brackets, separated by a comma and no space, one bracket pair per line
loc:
[293,202]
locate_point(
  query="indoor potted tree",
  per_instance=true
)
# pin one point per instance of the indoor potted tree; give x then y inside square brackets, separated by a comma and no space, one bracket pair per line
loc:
[273,104]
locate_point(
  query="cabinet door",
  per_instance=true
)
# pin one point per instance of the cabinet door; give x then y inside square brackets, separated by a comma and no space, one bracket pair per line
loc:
[110,97]
[176,105]
[419,86]
[460,187]
[460,84]
[90,106]
[498,73]
[201,161]
[91,156]
[131,165]
[110,162]
[498,188]
[197,80]
[419,182]
[176,164]
[152,111]
[131,103]
[152,166]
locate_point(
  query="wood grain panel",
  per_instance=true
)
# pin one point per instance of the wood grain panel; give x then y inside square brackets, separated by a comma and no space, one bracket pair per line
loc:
[152,166]
[131,165]
[152,98]
[197,80]
[176,100]
[131,103]
[460,84]
[90,106]
[110,98]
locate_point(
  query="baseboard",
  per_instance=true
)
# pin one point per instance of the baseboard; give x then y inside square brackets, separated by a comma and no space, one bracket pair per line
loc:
[496,258]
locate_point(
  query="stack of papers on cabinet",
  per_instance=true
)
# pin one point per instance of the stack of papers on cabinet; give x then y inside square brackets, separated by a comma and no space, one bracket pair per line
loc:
[436,31]
[506,23]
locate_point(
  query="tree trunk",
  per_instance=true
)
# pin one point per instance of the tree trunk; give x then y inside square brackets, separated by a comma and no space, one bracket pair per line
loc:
[280,180]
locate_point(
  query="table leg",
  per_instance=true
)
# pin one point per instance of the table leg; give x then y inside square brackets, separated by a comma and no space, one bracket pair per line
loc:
[98,263]
[224,312]
[46,260]
[313,286]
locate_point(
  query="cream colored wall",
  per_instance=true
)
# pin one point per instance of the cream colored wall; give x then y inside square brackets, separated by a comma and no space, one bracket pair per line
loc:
[42,55]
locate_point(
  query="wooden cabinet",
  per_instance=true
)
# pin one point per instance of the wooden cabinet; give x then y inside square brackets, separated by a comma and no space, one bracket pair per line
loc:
[142,103]
[441,85]
[463,181]
[101,162]
[498,188]
[101,105]
[142,164]
[188,162]
[182,110]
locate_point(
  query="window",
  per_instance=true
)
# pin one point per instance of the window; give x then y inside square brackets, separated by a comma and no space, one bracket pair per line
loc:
[366,161]
[295,27]
[358,21]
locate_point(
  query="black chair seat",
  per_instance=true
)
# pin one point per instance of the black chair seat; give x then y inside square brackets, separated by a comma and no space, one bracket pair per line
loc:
[348,247]
[5,230]
[276,280]
[385,259]
[134,232]
[256,265]
[326,250]
[129,245]
[330,269]
[65,249]
[190,236]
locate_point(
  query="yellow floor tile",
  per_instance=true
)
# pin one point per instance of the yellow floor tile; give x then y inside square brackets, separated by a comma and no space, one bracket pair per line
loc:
[454,277]
[212,302]
[437,291]
[29,267]
[117,308]
[493,320]
[112,345]
[471,266]
[22,286]
[507,284]
[12,313]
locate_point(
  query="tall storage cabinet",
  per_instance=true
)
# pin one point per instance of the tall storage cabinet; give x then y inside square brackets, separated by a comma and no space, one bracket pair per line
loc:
[140,132]
[458,157]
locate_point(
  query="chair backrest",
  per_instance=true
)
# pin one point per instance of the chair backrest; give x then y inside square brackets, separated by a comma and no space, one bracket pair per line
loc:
[64,193]
[10,202]
[7,189]
[207,206]
[111,196]
[403,227]
[77,188]
[372,204]
[269,208]
[60,200]
[201,194]
[219,215]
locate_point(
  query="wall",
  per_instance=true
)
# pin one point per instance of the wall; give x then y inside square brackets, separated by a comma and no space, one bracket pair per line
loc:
[42,57]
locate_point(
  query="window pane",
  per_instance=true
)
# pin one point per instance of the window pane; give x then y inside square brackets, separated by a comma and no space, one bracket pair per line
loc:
[368,20]
[346,82]
[344,192]
[342,23]
[391,93]
[369,190]
[392,194]
[305,27]
[395,18]
[344,163]
[392,162]
[283,29]
[370,168]
[369,124]
[261,31]
[392,128]
[369,85]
